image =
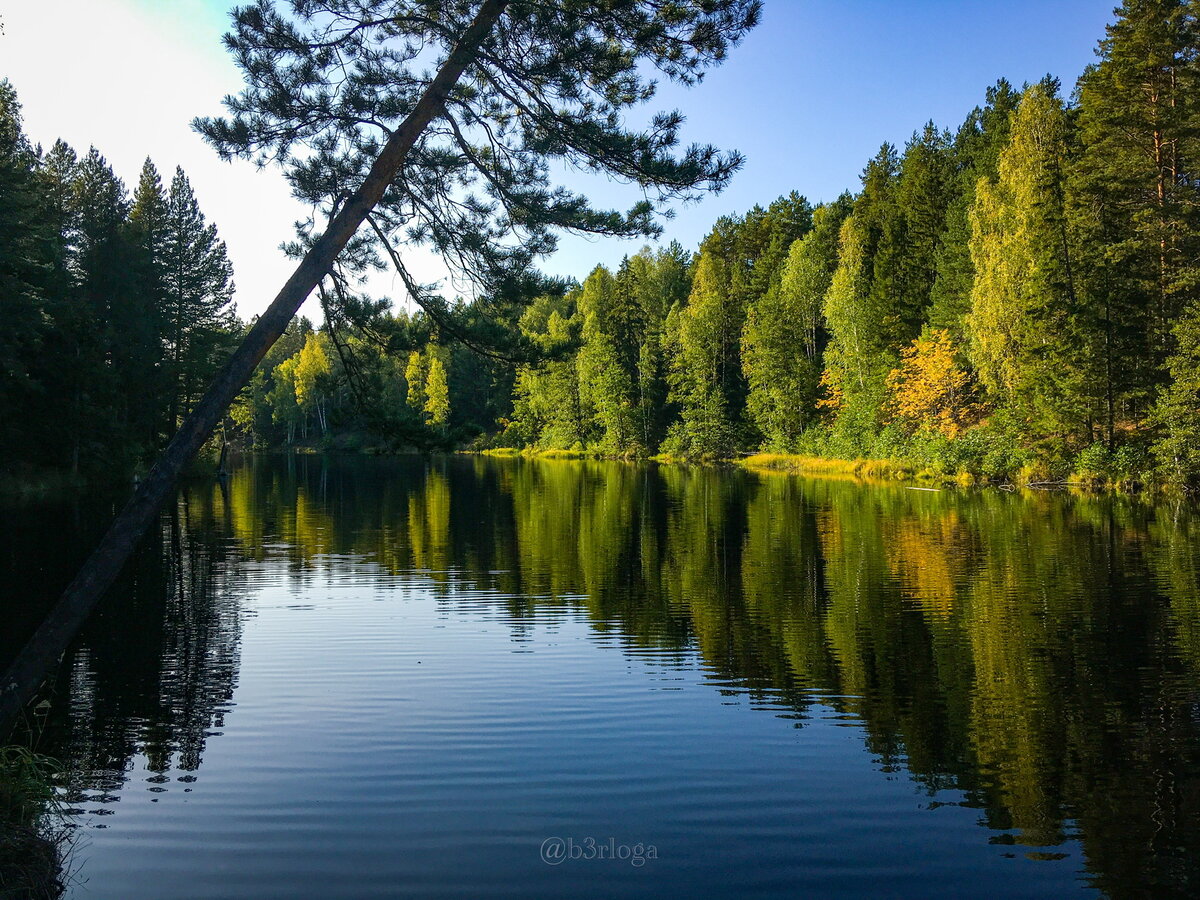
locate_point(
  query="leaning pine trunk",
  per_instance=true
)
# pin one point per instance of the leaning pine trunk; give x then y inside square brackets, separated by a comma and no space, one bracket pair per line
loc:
[54,635]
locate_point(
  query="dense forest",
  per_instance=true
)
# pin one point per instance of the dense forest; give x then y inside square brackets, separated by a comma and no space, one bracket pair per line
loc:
[1017,298]
[117,308]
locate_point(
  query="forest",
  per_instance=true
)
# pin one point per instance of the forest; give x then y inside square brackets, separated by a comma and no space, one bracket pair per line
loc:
[1017,298]
[117,308]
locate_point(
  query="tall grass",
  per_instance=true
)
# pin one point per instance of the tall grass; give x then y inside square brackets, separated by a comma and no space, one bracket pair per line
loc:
[33,840]
[865,469]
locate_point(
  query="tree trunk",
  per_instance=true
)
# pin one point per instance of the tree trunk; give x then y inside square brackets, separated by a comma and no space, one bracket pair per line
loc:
[54,635]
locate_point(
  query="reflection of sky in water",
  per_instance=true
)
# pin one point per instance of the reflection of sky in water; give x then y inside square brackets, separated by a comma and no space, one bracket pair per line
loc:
[788,688]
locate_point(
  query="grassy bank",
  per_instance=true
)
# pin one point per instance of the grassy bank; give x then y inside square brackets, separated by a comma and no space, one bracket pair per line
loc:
[865,469]
[33,842]
[547,453]
[1082,478]
[861,469]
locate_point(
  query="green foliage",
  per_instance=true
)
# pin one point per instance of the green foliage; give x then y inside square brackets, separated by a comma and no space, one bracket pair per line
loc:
[32,842]
[1020,296]
[437,393]
[1177,412]
[784,333]
[994,302]
[1025,327]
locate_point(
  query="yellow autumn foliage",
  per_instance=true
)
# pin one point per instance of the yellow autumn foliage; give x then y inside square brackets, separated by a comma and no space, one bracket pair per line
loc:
[930,390]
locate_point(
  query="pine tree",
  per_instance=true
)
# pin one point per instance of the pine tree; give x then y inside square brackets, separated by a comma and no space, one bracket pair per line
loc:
[147,236]
[24,271]
[106,316]
[197,281]
[1136,206]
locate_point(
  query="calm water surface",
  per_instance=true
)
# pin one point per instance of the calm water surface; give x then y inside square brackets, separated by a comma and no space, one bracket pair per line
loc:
[400,677]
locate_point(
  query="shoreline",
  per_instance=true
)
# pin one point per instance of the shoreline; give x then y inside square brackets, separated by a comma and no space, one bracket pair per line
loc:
[862,469]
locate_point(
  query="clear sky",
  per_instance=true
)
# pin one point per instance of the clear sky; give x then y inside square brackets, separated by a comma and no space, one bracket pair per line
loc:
[808,98]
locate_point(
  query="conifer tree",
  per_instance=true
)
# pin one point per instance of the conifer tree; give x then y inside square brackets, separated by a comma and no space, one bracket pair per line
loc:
[197,283]
[923,194]
[109,319]
[24,270]
[147,233]
[975,155]
[1136,208]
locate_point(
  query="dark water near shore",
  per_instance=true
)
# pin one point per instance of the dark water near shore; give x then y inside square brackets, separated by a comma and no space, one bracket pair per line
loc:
[401,677]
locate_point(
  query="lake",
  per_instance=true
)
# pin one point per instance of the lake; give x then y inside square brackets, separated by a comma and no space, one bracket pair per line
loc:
[476,677]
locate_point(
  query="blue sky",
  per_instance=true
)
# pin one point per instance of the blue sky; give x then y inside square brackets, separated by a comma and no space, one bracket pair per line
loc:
[813,92]
[808,98]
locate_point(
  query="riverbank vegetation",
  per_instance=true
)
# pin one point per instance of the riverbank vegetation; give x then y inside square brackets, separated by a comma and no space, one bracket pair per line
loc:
[1016,299]
[33,840]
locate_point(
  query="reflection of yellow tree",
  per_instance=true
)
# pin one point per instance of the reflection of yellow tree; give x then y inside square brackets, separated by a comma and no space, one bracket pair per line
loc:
[429,525]
[927,552]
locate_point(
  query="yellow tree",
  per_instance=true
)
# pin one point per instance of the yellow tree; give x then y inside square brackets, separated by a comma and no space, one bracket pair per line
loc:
[437,392]
[930,391]
[414,378]
[311,372]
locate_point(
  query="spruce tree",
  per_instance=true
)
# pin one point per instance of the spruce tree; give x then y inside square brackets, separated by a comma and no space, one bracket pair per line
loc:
[24,271]
[975,155]
[1136,205]
[923,195]
[197,281]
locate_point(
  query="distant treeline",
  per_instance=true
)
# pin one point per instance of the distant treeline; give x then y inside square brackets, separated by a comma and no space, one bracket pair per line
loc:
[116,309]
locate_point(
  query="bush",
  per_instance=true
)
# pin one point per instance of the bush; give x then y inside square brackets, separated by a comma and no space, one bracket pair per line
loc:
[1092,465]
[1130,466]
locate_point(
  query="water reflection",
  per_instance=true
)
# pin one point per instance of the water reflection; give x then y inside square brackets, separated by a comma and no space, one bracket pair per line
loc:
[1033,657]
